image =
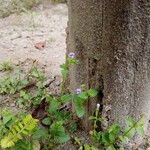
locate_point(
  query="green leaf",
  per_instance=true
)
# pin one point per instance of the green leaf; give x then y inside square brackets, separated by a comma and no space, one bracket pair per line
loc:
[18,131]
[92,92]
[87,147]
[49,98]
[64,72]
[54,105]
[63,66]
[22,93]
[111,147]
[23,145]
[66,98]
[94,148]
[105,138]
[112,137]
[72,61]
[83,95]
[130,122]
[140,130]
[63,138]
[46,121]
[92,118]
[115,128]
[7,118]
[131,133]
[124,139]
[24,82]
[140,123]
[79,108]
[40,133]
[58,132]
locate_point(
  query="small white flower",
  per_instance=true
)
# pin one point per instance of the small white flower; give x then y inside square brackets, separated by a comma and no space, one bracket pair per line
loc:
[78,91]
[71,55]
[98,106]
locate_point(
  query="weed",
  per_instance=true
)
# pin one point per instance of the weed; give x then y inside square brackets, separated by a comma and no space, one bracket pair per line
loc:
[14,129]
[115,138]
[13,6]
[6,66]
[11,85]
[55,115]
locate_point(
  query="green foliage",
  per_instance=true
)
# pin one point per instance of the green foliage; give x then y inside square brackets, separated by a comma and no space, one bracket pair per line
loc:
[57,132]
[6,122]
[80,99]
[14,129]
[59,1]
[38,75]
[24,99]
[13,6]
[6,66]
[58,123]
[18,84]
[114,135]
[65,67]
[11,85]
[22,145]
[87,147]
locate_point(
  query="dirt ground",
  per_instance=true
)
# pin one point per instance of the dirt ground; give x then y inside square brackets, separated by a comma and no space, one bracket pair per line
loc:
[19,33]
[21,36]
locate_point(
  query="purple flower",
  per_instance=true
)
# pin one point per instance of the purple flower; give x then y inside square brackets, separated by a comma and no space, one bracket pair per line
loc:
[71,55]
[78,91]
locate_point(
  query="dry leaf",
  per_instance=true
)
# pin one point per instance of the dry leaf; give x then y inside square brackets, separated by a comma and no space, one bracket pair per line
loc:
[40,45]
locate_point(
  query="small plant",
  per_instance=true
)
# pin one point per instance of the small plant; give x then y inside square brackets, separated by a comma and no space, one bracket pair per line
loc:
[70,60]
[11,85]
[58,115]
[114,138]
[85,146]
[25,99]
[15,6]
[80,98]
[6,66]
[14,129]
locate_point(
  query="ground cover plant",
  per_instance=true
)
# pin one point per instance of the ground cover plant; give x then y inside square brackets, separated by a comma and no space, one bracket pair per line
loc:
[15,6]
[47,120]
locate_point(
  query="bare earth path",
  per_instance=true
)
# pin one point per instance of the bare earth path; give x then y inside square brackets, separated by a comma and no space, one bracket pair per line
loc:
[20,33]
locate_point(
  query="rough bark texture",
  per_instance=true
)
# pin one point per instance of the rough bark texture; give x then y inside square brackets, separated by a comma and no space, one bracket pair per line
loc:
[112,42]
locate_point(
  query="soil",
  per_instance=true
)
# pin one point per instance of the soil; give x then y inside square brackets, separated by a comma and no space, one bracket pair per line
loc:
[20,33]
[36,35]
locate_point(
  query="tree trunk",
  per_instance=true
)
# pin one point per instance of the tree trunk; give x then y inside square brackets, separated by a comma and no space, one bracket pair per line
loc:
[111,40]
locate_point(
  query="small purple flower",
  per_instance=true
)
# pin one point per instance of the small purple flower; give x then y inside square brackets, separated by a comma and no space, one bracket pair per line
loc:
[78,91]
[71,55]
[98,106]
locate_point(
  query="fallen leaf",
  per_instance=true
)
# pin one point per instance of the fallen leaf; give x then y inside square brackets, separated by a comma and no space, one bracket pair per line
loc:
[40,45]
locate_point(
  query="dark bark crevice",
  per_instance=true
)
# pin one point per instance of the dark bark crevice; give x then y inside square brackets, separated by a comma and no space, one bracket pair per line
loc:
[95,80]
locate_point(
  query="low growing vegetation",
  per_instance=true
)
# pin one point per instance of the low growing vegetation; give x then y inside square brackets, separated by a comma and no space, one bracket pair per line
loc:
[15,6]
[6,66]
[48,120]
[59,1]
[8,7]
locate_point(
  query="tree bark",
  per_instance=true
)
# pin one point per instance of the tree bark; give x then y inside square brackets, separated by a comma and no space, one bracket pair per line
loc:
[111,40]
